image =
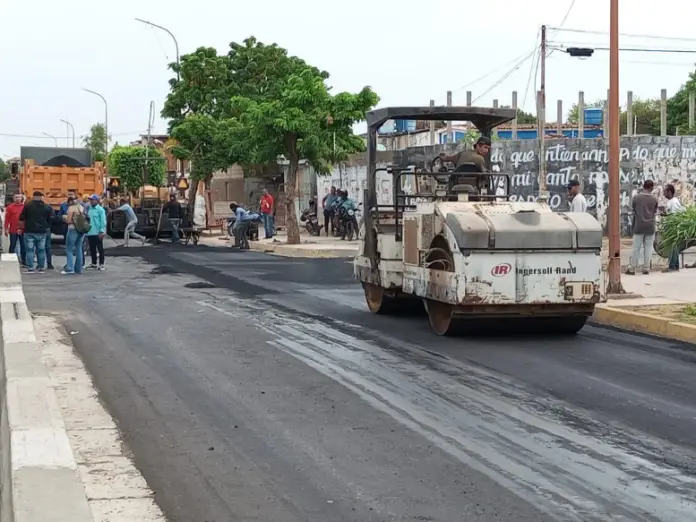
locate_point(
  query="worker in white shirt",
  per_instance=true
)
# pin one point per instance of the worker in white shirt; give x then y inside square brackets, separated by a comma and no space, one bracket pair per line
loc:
[578,203]
[672,206]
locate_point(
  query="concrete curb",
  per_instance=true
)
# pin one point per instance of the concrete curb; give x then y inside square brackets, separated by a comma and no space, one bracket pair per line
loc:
[39,475]
[281,249]
[644,323]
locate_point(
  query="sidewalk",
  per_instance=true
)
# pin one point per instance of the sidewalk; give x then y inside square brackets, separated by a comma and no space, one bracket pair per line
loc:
[310,246]
[660,304]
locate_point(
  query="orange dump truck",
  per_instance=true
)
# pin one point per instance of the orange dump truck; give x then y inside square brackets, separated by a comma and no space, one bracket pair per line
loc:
[55,183]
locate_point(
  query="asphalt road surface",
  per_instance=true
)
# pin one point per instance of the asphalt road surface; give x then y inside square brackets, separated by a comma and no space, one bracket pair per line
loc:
[256,388]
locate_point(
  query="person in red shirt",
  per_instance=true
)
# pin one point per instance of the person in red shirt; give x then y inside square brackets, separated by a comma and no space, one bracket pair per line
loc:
[267,208]
[14,228]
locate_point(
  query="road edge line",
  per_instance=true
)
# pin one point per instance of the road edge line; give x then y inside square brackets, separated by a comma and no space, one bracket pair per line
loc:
[40,478]
[644,323]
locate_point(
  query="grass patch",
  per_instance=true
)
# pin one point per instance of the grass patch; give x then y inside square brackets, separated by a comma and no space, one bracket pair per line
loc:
[684,313]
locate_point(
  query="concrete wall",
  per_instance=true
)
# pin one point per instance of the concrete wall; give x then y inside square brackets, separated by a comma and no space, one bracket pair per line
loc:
[662,159]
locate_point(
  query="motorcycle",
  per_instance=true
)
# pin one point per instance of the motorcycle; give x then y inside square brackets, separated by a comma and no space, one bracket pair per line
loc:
[348,223]
[309,218]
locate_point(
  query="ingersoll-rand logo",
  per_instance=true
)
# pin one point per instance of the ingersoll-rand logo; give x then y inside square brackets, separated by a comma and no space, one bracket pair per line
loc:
[501,270]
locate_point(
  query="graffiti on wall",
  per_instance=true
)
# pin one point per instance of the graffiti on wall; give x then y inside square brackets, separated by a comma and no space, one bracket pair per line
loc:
[661,159]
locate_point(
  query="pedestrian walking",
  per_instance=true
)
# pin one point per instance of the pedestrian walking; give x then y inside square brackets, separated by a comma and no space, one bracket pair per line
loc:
[77,227]
[13,229]
[97,231]
[644,207]
[578,203]
[131,223]
[174,215]
[37,217]
[267,213]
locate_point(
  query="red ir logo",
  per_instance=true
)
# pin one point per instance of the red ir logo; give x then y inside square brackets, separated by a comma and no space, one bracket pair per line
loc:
[501,270]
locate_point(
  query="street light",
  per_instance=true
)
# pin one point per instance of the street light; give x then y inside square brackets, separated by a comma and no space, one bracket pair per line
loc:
[55,140]
[106,119]
[176,44]
[68,127]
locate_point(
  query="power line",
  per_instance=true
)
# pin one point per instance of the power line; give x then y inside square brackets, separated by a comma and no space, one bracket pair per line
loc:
[638,49]
[507,74]
[489,73]
[570,8]
[641,62]
[572,4]
[31,136]
[533,69]
[629,35]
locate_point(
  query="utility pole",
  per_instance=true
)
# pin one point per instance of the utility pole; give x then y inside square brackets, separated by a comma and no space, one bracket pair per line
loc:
[614,206]
[541,121]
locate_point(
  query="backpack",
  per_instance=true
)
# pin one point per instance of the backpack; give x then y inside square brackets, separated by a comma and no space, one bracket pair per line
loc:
[81,223]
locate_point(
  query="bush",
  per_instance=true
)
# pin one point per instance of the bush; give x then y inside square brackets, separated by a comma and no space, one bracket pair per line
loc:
[678,230]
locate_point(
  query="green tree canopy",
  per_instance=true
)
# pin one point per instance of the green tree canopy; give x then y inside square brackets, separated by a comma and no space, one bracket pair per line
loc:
[256,104]
[96,141]
[678,108]
[130,164]
[4,171]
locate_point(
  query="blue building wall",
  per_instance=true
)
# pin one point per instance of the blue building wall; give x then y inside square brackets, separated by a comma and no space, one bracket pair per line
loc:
[530,134]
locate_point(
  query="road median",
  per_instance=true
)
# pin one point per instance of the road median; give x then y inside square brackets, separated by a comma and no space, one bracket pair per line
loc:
[670,320]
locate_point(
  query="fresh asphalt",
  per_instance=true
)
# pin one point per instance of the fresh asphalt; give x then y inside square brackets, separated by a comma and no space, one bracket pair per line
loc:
[254,387]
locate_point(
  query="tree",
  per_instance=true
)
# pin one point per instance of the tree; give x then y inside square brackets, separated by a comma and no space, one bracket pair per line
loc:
[573,112]
[299,121]
[646,114]
[129,164]
[4,171]
[678,107]
[96,141]
[256,104]
[523,118]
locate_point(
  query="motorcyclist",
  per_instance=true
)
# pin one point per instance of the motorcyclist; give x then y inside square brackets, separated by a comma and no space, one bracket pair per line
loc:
[345,205]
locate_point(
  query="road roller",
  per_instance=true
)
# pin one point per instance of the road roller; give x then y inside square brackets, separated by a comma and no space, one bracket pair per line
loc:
[453,243]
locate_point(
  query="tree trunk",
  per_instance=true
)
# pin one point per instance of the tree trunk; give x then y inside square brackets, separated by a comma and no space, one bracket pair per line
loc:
[290,196]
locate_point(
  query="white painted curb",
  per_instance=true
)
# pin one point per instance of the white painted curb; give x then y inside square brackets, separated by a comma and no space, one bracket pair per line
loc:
[39,479]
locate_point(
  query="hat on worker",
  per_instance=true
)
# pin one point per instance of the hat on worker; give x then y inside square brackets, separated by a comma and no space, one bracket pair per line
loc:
[573,183]
[94,196]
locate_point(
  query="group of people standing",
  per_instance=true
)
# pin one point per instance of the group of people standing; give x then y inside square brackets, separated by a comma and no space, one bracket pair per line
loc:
[332,203]
[29,226]
[645,209]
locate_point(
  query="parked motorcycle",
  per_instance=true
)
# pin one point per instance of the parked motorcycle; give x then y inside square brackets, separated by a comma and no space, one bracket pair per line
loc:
[309,218]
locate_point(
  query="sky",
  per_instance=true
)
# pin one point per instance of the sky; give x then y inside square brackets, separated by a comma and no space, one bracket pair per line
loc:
[408,51]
